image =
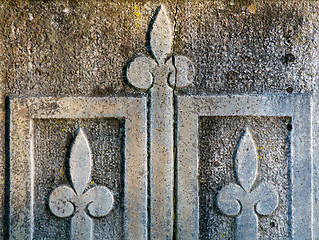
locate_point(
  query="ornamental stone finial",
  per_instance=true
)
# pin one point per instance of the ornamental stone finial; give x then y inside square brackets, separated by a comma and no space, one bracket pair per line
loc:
[160,74]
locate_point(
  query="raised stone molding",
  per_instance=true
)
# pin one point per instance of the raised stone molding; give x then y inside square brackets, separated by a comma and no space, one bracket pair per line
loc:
[191,108]
[160,76]
[65,201]
[246,200]
[23,113]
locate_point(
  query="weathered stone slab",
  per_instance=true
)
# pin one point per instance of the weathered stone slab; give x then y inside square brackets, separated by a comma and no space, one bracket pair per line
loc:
[40,136]
[253,62]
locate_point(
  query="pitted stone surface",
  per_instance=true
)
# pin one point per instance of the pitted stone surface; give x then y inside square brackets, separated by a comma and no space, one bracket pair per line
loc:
[249,46]
[61,48]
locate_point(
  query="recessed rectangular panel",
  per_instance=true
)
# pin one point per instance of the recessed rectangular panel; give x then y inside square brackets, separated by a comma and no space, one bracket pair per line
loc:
[218,141]
[244,161]
[78,168]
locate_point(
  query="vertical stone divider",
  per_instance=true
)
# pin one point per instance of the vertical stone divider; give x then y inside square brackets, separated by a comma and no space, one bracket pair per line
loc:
[315,146]
[161,154]
[159,76]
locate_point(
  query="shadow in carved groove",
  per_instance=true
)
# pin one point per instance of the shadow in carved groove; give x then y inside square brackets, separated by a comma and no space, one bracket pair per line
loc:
[66,201]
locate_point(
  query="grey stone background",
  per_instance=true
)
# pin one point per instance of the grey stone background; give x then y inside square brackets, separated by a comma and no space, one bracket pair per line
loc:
[80,48]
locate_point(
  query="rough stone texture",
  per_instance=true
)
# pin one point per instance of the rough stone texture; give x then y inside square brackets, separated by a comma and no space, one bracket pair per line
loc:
[218,139]
[52,143]
[81,48]
[249,46]
[71,48]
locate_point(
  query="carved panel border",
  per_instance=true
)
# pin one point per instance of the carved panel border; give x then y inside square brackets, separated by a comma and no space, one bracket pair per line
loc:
[22,113]
[190,108]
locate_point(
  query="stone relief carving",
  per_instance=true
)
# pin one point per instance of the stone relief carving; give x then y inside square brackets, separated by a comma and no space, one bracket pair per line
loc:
[245,200]
[178,71]
[160,75]
[79,205]
[65,201]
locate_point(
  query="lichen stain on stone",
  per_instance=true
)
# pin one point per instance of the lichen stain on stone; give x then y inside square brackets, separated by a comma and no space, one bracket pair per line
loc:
[23,112]
[251,8]
[138,16]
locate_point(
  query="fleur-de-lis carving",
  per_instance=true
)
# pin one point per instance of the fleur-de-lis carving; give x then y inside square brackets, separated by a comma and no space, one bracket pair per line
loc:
[65,201]
[247,200]
[160,75]
[178,70]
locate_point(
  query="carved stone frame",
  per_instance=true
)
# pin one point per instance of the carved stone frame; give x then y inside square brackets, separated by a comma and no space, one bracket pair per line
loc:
[22,113]
[190,108]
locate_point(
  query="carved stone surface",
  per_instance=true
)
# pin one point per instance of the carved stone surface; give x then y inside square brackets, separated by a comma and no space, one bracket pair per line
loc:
[65,201]
[161,75]
[37,167]
[197,214]
[169,89]
[248,198]
[105,139]
[218,141]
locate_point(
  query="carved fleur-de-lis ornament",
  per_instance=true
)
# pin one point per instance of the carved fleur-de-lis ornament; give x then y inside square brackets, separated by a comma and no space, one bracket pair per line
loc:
[141,69]
[159,75]
[65,201]
[245,200]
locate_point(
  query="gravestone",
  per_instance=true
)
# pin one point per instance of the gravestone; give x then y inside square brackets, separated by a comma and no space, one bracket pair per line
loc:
[159,120]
